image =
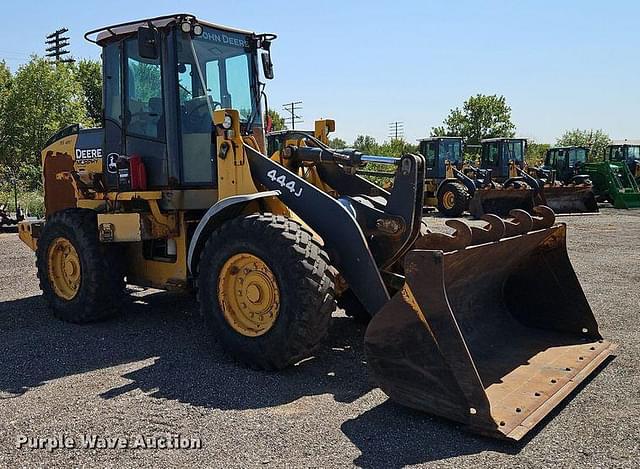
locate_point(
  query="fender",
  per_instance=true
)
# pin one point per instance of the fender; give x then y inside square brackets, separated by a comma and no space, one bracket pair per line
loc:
[221,211]
[466,180]
[533,182]
[456,179]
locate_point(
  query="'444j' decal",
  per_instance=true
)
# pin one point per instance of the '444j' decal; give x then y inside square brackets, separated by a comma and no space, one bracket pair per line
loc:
[282,180]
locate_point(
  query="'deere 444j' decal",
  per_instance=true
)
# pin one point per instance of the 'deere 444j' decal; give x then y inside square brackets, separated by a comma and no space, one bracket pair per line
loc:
[282,180]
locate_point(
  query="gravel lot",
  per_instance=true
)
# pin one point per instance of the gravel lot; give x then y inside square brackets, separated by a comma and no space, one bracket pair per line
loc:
[154,371]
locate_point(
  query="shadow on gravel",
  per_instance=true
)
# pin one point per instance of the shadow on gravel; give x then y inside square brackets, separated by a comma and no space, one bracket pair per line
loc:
[392,436]
[189,368]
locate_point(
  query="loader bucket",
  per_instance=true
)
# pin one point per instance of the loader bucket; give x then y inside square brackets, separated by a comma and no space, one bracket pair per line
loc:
[627,199]
[493,335]
[571,199]
[500,201]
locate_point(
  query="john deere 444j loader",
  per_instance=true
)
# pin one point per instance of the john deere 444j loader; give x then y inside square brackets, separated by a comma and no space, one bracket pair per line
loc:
[487,326]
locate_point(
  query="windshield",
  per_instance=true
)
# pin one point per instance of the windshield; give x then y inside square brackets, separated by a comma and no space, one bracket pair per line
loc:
[550,158]
[633,153]
[577,155]
[513,151]
[450,150]
[217,65]
[616,154]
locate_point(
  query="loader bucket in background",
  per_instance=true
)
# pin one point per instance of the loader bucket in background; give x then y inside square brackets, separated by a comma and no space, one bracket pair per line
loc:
[500,201]
[571,199]
[493,336]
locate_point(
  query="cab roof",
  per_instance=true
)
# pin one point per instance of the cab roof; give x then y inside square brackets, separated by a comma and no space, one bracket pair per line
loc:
[617,143]
[502,139]
[101,35]
[569,147]
[433,139]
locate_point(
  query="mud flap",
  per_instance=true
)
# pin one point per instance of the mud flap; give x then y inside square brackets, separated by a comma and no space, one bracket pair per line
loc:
[501,201]
[493,335]
[571,199]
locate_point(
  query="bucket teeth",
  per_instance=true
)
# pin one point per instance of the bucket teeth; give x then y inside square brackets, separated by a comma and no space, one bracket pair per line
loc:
[460,239]
[492,231]
[544,217]
[496,228]
[519,222]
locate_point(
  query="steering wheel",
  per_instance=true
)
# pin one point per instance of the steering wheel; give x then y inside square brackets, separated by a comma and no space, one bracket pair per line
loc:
[194,117]
[214,105]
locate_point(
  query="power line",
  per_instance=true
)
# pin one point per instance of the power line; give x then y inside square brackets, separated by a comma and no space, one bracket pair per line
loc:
[57,43]
[291,108]
[396,130]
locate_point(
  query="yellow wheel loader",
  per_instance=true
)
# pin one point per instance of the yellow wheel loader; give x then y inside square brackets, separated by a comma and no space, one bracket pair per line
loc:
[487,326]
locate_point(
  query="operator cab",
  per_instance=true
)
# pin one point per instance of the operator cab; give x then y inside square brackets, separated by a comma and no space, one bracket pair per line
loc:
[437,150]
[498,152]
[627,151]
[163,78]
[566,161]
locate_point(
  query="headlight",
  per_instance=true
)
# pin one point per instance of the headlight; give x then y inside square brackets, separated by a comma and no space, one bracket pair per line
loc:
[185,27]
[226,124]
[197,30]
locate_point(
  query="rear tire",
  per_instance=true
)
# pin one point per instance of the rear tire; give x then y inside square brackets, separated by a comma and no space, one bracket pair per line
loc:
[453,199]
[81,279]
[286,263]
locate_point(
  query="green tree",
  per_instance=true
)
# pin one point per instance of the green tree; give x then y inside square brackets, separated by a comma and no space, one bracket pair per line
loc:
[5,123]
[42,99]
[337,143]
[277,121]
[536,152]
[596,139]
[366,144]
[481,117]
[89,75]
[396,147]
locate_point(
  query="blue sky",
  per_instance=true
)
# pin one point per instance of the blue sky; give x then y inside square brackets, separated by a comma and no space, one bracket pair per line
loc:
[560,64]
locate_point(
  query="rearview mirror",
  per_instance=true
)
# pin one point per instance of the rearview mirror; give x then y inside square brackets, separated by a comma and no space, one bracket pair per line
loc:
[148,43]
[267,65]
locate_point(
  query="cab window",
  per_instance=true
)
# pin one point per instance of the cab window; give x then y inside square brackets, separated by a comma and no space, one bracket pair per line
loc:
[577,155]
[492,157]
[144,108]
[561,159]
[429,152]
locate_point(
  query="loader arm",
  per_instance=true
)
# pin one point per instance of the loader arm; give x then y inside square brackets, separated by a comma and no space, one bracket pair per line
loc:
[343,237]
[363,236]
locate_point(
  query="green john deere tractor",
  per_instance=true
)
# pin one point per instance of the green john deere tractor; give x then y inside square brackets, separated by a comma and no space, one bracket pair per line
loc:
[627,151]
[613,182]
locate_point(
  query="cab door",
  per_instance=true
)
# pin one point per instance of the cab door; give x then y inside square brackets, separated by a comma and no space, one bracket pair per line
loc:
[134,111]
[113,101]
[144,112]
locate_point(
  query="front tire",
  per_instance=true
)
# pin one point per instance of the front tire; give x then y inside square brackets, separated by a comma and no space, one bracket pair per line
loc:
[266,290]
[81,279]
[453,199]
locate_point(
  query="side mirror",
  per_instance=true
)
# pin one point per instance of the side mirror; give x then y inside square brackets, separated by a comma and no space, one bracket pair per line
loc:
[148,43]
[267,65]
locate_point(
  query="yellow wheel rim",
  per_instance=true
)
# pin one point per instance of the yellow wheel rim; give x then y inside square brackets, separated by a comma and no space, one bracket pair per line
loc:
[448,200]
[64,268]
[248,294]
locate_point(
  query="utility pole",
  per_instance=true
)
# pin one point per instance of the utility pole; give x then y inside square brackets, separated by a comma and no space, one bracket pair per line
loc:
[57,43]
[396,130]
[291,108]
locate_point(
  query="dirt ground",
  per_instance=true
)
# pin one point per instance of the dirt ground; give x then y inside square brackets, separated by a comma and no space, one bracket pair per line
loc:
[154,371]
